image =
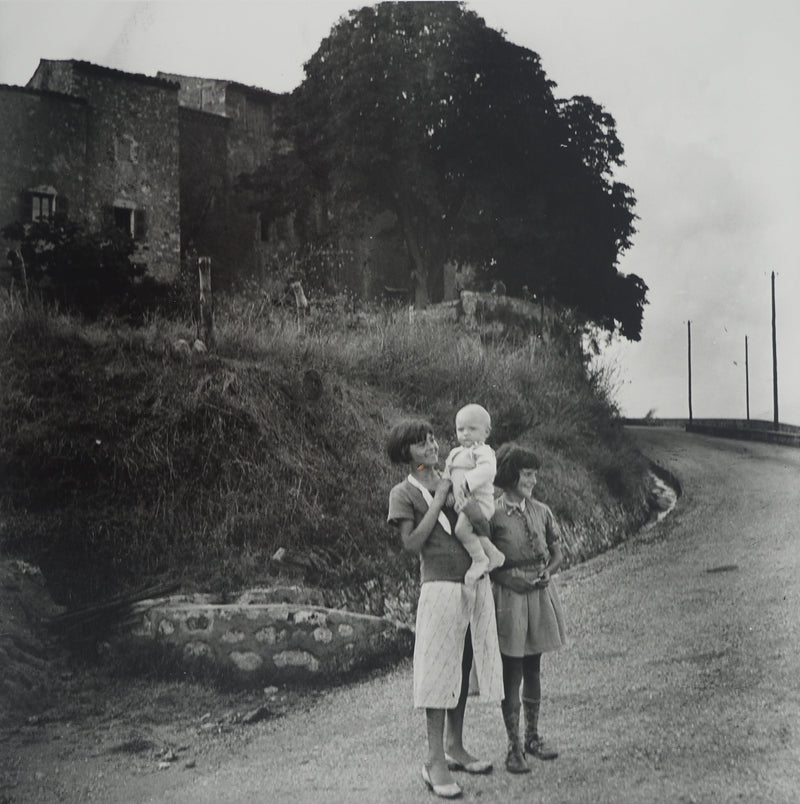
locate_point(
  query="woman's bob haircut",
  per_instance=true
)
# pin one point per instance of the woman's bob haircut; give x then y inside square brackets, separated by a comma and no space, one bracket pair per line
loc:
[403,435]
[511,459]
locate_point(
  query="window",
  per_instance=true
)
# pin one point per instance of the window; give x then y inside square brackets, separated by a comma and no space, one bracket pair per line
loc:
[130,220]
[126,149]
[123,219]
[43,206]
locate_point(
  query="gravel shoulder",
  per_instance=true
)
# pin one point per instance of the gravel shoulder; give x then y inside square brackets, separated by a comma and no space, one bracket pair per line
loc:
[679,683]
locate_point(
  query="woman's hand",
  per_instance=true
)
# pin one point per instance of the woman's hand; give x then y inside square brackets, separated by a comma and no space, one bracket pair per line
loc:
[544,578]
[442,490]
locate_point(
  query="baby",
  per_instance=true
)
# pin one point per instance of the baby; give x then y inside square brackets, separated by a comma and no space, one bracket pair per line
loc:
[471,467]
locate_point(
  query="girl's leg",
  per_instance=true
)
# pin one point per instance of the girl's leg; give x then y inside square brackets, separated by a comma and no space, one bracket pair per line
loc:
[512,678]
[531,699]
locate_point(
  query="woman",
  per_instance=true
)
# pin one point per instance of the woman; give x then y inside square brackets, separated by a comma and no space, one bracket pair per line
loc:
[455,621]
[529,617]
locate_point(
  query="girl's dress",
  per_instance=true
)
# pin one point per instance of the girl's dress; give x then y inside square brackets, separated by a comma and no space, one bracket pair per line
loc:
[533,622]
[446,608]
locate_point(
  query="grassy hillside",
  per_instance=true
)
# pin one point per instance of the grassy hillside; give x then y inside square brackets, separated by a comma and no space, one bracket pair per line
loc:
[125,461]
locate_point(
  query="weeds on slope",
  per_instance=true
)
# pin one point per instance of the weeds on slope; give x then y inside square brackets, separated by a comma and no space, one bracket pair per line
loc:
[122,460]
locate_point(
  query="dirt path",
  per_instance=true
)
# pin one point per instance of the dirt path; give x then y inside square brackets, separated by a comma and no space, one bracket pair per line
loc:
[680,683]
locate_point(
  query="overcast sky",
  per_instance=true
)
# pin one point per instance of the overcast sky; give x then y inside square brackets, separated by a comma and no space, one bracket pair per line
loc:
[705,95]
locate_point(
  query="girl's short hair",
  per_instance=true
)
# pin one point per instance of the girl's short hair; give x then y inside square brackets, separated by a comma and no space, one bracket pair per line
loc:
[403,435]
[511,459]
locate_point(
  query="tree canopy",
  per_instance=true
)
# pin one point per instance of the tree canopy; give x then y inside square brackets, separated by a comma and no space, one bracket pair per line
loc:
[422,109]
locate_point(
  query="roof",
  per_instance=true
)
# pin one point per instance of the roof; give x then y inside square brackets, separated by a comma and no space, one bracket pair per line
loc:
[49,93]
[252,90]
[96,69]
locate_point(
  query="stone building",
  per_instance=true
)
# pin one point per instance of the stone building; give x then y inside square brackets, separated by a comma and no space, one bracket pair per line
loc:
[100,145]
[226,129]
[159,156]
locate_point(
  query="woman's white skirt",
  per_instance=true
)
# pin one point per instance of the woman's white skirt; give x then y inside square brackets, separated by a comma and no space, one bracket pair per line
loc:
[444,611]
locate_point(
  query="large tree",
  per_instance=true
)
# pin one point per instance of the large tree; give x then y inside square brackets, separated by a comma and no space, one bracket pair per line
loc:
[421,109]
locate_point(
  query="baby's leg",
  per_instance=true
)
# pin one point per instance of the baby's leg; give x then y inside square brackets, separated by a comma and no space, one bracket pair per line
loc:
[466,535]
[495,556]
[480,527]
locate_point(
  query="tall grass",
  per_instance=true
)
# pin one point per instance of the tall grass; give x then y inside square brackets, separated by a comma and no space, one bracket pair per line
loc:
[122,461]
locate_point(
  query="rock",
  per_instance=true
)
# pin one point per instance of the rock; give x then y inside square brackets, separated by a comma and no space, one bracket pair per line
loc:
[259,713]
[181,348]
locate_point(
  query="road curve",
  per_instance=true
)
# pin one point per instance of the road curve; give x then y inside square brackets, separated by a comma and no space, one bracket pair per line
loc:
[679,684]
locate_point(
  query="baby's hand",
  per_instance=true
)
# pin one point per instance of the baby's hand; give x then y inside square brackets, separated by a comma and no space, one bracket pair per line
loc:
[450,501]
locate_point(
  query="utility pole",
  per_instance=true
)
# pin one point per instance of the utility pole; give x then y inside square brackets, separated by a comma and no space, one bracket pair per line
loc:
[747,378]
[689,332]
[774,359]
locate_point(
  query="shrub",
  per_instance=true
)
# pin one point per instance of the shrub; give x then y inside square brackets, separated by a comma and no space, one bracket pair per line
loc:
[67,264]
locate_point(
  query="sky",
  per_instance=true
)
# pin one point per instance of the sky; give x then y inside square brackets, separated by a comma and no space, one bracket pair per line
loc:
[706,96]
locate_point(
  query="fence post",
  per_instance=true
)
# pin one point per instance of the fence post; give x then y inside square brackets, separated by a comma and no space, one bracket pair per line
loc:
[206,333]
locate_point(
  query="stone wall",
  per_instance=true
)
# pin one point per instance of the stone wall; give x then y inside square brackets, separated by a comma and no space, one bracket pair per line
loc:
[43,138]
[204,186]
[262,638]
[226,129]
[502,314]
[131,158]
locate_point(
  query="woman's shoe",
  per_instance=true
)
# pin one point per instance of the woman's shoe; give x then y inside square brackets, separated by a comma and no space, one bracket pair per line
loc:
[451,790]
[480,766]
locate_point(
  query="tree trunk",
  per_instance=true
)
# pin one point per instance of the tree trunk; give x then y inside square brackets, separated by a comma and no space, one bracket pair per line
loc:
[425,248]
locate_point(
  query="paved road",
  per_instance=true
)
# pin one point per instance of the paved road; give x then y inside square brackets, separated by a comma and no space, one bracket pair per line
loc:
[680,682]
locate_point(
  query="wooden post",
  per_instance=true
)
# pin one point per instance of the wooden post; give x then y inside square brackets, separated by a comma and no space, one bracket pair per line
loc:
[15,257]
[206,333]
[300,300]
[747,377]
[689,331]
[774,358]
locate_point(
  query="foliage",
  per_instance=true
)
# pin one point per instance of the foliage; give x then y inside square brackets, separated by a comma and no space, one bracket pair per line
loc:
[421,109]
[77,268]
[122,461]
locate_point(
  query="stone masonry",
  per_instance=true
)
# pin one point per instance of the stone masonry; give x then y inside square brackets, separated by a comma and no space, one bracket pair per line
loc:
[254,641]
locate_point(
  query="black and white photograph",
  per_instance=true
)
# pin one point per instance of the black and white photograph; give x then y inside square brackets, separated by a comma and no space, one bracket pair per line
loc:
[399,401]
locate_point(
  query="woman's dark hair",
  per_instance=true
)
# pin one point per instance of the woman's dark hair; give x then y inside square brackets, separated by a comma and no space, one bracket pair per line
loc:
[403,435]
[511,459]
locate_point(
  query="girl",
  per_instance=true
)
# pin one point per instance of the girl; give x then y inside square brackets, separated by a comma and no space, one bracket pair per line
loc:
[455,621]
[529,617]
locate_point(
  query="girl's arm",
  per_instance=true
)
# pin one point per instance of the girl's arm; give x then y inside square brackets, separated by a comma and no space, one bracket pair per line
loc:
[553,537]
[415,537]
[556,557]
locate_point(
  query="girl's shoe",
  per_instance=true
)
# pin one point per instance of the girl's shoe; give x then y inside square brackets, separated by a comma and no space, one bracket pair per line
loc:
[515,759]
[451,790]
[538,748]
